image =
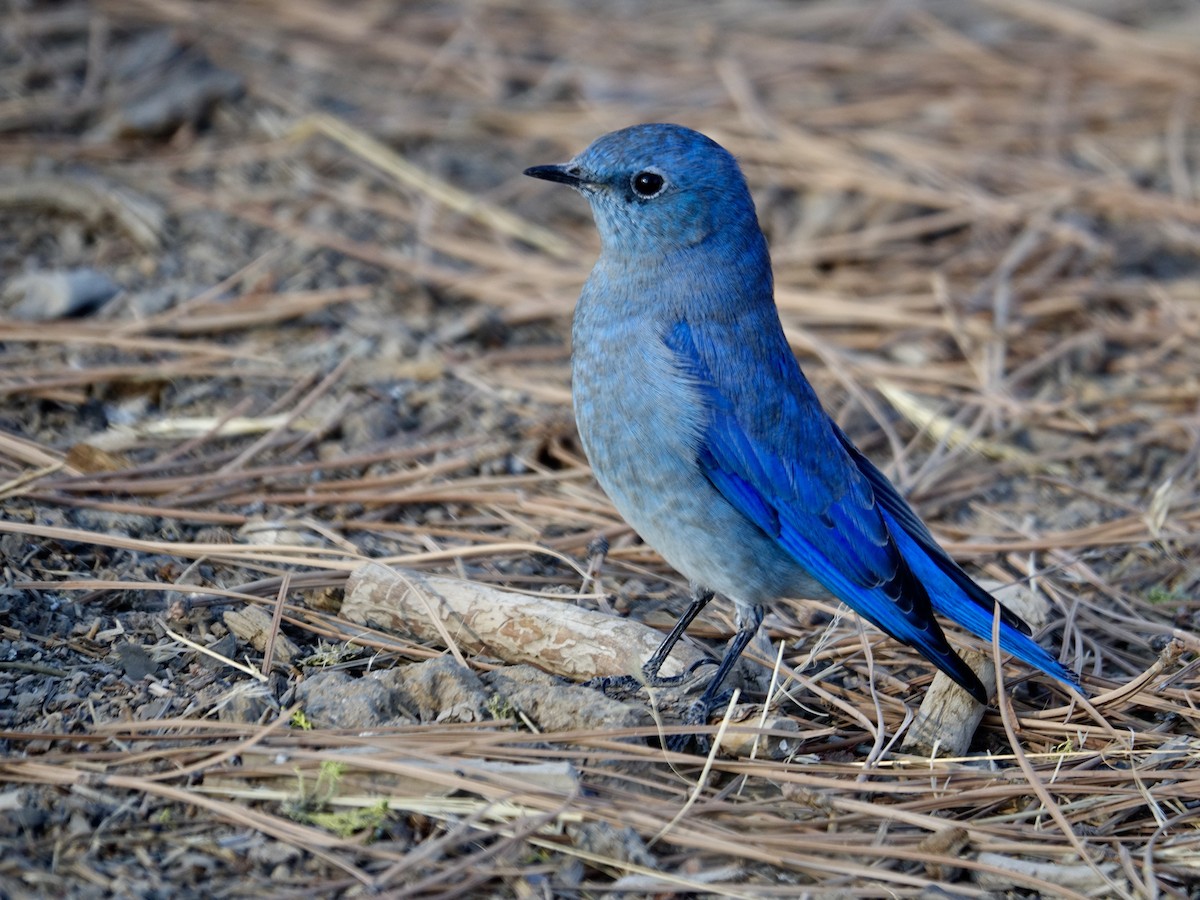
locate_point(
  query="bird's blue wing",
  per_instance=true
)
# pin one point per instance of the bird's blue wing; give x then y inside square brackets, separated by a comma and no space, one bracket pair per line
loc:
[897,508]
[778,458]
[774,457]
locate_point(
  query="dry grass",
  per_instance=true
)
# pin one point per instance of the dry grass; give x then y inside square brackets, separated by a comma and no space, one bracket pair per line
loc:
[984,223]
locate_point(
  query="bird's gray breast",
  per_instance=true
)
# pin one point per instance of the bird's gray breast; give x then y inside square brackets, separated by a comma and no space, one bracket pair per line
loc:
[641,420]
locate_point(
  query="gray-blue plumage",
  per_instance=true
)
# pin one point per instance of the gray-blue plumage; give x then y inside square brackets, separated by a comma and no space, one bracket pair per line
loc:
[704,432]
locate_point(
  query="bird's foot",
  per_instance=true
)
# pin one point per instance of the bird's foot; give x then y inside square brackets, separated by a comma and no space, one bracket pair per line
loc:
[613,685]
[697,716]
[629,684]
[654,679]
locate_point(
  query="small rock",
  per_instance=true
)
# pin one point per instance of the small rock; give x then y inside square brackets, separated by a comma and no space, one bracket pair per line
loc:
[610,842]
[554,706]
[335,699]
[134,661]
[247,702]
[272,853]
[18,815]
[370,423]
[184,94]
[44,296]
[438,690]
[224,646]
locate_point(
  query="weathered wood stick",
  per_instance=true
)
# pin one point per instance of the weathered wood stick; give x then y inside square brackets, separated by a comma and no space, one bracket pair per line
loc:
[558,637]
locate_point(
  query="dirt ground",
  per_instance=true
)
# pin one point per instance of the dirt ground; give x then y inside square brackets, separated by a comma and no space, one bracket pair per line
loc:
[277,309]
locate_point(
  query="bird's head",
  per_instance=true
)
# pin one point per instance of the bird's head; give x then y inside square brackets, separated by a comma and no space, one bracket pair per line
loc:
[655,189]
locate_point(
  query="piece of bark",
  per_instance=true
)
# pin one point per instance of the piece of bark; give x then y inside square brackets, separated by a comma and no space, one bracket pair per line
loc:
[558,637]
[942,849]
[778,738]
[253,625]
[948,716]
[1079,877]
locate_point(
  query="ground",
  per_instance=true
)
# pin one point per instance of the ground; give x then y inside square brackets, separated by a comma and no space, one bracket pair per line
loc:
[277,305]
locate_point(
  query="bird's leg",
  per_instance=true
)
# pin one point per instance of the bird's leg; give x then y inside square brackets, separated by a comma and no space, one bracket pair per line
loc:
[700,598]
[650,676]
[748,622]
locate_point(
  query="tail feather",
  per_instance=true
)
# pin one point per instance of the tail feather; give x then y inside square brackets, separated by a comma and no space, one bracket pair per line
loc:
[951,601]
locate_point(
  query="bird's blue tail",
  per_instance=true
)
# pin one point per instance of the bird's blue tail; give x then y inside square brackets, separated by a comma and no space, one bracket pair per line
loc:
[950,600]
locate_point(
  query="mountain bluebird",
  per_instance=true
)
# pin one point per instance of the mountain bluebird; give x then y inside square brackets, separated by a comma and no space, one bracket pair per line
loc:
[703,431]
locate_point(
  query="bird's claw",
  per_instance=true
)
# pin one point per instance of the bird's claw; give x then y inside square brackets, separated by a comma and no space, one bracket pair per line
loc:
[611,684]
[607,684]
[653,679]
[695,716]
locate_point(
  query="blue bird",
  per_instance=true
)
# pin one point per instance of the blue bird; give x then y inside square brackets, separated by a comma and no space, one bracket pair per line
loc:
[705,434]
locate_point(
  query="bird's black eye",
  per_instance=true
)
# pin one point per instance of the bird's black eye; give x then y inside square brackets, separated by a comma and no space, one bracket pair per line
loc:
[647,183]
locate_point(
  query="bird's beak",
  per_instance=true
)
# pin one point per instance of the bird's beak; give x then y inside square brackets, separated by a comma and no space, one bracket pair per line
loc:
[566,173]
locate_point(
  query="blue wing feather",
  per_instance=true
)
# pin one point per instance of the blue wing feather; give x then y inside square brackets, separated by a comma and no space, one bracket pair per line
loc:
[789,469]
[906,520]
